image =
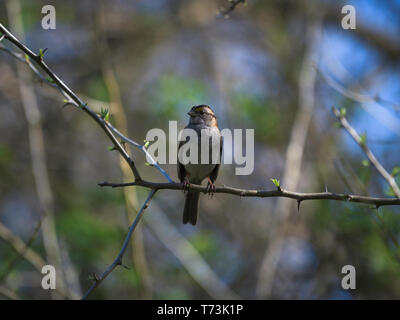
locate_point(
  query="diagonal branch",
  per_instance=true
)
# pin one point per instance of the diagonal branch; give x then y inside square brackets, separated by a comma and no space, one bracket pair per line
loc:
[73,98]
[118,259]
[382,171]
[142,148]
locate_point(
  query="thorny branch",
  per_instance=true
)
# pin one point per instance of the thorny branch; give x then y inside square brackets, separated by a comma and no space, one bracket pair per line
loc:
[71,98]
[280,192]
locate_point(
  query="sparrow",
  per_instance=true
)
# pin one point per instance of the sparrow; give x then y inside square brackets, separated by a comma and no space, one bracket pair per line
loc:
[201,117]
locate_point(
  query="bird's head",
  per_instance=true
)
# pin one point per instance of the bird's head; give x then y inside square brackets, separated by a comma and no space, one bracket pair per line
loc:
[202,114]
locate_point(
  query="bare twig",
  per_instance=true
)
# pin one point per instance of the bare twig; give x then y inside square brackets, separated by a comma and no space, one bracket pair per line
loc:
[118,259]
[233,3]
[382,171]
[358,97]
[142,148]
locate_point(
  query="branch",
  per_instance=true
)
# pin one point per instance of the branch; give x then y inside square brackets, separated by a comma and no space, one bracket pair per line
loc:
[142,148]
[382,171]
[225,12]
[299,196]
[118,259]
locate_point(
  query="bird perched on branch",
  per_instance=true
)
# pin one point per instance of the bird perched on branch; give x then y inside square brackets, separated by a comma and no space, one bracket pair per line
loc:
[204,122]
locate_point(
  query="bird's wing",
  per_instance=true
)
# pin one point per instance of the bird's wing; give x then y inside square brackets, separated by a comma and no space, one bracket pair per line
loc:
[214,173]
[181,167]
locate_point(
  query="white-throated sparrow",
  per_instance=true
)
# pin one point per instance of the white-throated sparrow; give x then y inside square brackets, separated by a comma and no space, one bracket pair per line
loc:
[203,121]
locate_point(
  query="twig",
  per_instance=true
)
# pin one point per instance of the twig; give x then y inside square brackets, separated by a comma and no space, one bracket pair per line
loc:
[233,3]
[142,148]
[382,171]
[358,97]
[299,196]
[118,259]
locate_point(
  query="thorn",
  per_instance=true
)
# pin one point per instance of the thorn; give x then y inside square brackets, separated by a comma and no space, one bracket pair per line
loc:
[66,104]
[124,266]
[2,37]
[298,205]
[326,188]
[94,277]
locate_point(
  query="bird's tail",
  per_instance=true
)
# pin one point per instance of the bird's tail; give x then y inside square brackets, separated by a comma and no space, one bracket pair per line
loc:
[191,207]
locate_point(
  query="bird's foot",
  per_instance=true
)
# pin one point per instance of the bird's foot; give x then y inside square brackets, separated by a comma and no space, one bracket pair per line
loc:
[210,188]
[186,185]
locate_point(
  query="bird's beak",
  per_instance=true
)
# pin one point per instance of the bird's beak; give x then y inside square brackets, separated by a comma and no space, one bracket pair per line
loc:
[191,113]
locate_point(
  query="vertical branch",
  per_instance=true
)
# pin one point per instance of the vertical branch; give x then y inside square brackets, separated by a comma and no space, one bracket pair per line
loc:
[37,150]
[293,164]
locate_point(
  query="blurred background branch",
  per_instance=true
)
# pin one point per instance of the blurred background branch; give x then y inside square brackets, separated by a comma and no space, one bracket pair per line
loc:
[37,152]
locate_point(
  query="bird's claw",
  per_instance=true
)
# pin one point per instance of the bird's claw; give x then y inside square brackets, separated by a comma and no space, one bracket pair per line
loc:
[186,185]
[210,190]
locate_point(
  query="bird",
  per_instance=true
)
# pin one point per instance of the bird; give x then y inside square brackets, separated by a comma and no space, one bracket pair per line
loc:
[204,121]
